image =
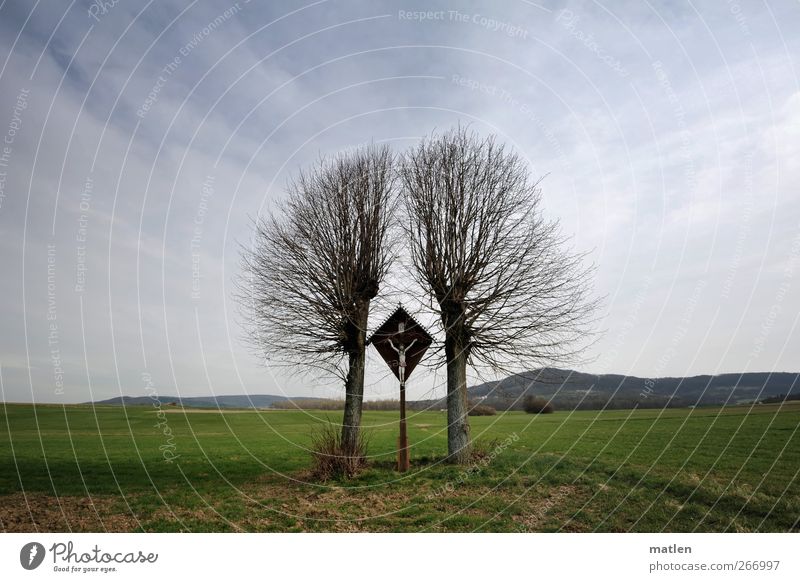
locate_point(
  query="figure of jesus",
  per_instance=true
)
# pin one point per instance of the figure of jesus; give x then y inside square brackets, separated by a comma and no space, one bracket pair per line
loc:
[401,357]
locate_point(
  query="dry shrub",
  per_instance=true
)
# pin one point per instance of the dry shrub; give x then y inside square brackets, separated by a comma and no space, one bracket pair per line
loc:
[537,405]
[331,461]
[482,410]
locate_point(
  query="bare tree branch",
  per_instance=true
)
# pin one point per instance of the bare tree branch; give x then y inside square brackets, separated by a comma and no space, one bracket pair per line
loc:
[314,267]
[509,295]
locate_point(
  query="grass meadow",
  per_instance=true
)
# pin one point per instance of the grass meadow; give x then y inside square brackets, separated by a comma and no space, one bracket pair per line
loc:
[83,468]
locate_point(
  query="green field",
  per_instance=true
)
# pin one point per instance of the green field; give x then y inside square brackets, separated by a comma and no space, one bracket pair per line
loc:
[83,469]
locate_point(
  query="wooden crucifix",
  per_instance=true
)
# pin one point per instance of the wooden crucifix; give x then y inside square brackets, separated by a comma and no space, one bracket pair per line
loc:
[402,342]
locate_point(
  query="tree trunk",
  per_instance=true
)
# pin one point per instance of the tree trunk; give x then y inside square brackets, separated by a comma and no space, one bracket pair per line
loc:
[458,442]
[354,384]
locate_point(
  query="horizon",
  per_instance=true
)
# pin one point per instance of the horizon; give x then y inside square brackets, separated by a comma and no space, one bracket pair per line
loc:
[160,397]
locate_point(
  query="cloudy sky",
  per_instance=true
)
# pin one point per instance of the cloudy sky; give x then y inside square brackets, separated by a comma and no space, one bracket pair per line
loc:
[140,138]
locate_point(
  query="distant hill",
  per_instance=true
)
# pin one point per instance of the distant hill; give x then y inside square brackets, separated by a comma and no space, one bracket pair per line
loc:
[566,389]
[570,390]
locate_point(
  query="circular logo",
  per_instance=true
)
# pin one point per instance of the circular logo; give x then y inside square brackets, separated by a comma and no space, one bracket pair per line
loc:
[31,555]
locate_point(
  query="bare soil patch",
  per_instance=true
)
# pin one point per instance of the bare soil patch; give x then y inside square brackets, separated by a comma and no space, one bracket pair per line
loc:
[37,512]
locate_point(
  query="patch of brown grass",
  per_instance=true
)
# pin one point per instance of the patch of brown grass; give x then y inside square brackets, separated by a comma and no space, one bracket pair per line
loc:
[37,512]
[537,512]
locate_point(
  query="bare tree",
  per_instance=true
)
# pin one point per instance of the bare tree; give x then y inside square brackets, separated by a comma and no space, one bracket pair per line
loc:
[313,269]
[508,294]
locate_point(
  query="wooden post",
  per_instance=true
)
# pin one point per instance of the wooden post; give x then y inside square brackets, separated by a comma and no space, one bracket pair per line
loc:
[402,457]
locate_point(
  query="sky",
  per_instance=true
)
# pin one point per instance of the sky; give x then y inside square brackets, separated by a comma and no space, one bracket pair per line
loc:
[141,138]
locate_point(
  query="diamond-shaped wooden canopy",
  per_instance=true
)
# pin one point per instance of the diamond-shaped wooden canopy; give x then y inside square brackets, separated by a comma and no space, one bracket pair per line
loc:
[401,329]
